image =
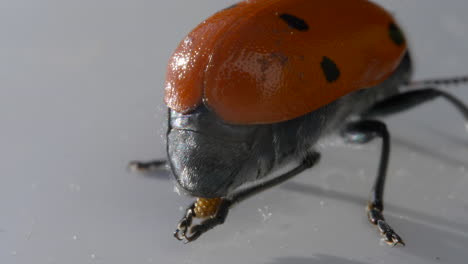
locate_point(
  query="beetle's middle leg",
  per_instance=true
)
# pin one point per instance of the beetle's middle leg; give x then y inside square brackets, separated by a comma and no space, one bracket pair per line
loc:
[188,232]
[309,161]
[362,132]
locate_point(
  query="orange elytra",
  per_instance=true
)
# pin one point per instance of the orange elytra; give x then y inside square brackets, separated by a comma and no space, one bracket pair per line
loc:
[267,61]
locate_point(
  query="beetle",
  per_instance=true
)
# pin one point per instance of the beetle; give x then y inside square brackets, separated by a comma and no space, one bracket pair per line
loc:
[260,83]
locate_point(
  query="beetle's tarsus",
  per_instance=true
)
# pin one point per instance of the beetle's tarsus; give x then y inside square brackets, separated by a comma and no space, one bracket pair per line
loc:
[146,166]
[389,235]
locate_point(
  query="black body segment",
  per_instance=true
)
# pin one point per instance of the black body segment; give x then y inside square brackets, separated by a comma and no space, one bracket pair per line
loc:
[216,157]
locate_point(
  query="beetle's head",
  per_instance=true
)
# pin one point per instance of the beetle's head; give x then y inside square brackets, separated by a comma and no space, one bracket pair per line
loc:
[208,157]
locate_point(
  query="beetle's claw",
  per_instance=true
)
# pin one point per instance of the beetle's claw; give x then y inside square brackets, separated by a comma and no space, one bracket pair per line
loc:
[177,235]
[389,235]
[185,224]
[181,231]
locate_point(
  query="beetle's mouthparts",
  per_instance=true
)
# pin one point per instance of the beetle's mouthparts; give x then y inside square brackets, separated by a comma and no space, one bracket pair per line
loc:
[206,207]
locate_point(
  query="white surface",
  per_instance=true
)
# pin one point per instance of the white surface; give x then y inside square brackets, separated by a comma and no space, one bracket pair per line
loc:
[81,86]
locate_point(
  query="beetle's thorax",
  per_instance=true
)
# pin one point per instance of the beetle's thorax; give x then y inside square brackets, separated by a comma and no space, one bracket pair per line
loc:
[210,158]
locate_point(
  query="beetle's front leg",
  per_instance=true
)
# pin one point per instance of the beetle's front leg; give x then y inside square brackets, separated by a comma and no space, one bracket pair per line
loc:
[215,211]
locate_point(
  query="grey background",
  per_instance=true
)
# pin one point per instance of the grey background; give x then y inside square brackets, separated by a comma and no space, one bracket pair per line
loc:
[81,85]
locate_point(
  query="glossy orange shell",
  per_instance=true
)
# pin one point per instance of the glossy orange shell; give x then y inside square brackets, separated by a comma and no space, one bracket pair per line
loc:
[252,65]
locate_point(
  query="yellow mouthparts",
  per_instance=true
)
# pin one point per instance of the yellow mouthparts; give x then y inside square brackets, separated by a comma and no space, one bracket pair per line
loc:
[206,207]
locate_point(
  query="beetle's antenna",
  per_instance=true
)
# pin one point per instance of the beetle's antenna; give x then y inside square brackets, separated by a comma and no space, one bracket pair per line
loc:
[438,82]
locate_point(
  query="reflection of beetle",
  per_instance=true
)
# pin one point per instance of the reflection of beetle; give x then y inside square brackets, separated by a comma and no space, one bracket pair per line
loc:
[258,84]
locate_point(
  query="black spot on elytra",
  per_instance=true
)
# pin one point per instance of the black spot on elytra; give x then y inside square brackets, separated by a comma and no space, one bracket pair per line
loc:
[294,22]
[395,34]
[329,68]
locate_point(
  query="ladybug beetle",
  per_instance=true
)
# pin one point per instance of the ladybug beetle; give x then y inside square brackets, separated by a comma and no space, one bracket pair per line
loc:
[260,83]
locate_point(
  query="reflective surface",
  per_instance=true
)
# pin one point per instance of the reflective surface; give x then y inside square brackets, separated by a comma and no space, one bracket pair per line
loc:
[81,93]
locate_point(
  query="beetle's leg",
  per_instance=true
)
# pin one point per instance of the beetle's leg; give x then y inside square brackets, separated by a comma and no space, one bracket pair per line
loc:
[226,203]
[438,82]
[146,166]
[363,132]
[309,161]
[407,100]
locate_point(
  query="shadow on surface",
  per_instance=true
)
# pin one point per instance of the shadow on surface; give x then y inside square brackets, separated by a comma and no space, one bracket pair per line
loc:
[426,236]
[418,216]
[433,243]
[427,151]
[452,138]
